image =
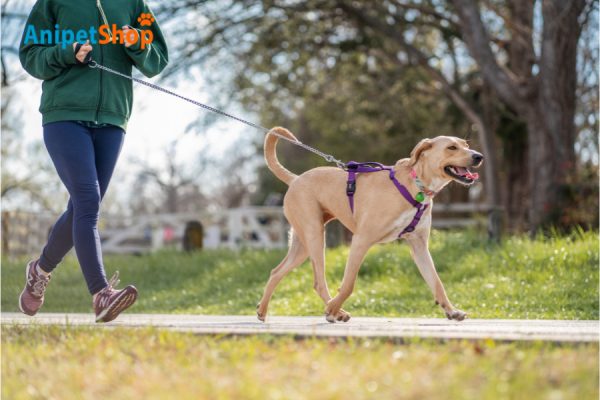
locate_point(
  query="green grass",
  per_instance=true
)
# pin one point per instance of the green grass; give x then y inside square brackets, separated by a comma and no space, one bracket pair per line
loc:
[520,278]
[551,278]
[86,363]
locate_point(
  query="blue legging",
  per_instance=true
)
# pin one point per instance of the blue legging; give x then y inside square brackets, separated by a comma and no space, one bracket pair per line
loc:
[85,159]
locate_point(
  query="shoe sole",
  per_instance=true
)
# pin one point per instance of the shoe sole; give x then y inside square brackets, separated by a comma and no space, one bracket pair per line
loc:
[21,295]
[120,304]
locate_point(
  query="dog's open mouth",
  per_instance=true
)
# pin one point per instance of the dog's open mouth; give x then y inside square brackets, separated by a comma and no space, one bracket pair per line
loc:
[461,174]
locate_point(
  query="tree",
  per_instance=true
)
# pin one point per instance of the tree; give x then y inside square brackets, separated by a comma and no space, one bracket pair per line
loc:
[545,100]
[522,61]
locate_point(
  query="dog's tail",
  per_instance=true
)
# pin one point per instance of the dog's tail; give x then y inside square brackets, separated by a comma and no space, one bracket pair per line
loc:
[271,154]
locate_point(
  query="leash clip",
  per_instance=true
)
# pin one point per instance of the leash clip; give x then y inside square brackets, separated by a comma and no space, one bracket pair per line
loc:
[331,159]
[92,64]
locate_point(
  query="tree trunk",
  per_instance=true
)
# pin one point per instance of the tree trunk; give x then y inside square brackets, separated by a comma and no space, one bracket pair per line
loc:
[546,102]
[512,127]
[512,133]
[551,115]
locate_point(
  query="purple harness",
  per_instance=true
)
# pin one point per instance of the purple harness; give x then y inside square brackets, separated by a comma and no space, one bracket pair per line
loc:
[354,168]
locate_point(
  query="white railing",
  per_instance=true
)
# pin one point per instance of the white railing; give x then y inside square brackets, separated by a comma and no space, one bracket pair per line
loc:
[246,227]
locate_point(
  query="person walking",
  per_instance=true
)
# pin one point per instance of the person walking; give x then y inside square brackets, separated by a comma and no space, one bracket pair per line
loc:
[84,119]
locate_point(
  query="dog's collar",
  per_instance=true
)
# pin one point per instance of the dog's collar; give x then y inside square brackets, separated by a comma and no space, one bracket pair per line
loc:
[423,189]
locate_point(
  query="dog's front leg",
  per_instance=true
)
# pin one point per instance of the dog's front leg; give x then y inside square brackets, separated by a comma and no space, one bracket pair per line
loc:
[358,249]
[422,257]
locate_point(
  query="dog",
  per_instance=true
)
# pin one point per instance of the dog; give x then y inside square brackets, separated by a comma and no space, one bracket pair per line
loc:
[380,214]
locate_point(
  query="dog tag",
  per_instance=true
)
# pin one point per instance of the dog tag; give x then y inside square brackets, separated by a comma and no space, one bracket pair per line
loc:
[420,197]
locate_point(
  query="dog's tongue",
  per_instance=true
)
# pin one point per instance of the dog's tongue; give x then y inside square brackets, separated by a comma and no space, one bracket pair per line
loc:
[466,173]
[472,175]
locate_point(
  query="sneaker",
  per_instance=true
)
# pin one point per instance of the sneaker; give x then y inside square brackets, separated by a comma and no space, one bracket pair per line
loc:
[109,303]
[32,296]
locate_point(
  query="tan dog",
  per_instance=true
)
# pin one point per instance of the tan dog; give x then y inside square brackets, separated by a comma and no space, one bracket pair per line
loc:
[380,214]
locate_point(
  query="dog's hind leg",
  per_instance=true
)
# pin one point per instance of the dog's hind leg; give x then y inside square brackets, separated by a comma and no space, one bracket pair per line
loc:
[316,252]
[296,255]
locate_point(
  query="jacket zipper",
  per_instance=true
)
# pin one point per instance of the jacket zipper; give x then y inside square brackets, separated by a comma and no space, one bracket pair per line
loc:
[101,74]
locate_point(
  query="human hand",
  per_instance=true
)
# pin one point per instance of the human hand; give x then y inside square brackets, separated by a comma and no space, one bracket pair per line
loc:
[83,51]
[126,36]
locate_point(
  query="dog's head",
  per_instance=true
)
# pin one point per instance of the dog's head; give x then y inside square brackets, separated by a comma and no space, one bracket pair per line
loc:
[447,157]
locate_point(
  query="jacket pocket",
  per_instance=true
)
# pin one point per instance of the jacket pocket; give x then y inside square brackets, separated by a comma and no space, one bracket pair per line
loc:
[62,78]
[77,88]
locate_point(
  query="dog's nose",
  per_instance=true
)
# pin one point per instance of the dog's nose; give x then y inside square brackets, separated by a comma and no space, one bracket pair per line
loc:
[477,158]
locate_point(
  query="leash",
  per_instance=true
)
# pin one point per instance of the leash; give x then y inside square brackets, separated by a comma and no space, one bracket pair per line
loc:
[353,168]
[327,157]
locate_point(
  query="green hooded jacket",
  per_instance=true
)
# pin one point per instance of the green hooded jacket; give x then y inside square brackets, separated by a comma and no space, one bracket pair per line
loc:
[76,92]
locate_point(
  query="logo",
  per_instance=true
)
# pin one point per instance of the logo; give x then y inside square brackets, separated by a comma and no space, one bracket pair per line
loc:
[105,34]
[145,19]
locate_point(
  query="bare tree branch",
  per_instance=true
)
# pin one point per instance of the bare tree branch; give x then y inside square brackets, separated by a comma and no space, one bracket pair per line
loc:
[477,40]
[429,11]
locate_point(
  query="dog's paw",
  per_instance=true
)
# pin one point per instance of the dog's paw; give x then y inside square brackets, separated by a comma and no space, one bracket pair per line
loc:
[341,315]
[334,312]
[330,318]
[261,313]
[456,314]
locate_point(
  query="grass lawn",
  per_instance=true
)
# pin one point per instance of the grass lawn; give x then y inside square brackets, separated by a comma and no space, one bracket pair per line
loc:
[85,363]
[521,278]
[551,278]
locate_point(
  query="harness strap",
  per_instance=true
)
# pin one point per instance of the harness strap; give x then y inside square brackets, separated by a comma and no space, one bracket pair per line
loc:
[419,206]
[354,168]
[351,188]
[403,190]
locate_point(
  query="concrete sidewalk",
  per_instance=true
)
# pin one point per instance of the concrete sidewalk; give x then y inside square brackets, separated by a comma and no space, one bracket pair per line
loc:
[552,330]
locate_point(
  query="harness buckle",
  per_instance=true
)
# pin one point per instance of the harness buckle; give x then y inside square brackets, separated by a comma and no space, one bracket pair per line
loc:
[350,188]
[409,229]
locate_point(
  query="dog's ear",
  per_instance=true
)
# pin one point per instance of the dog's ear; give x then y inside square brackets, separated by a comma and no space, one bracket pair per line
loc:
[423,145]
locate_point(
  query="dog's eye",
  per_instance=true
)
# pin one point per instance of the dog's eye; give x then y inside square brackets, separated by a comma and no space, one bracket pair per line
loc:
[452,148]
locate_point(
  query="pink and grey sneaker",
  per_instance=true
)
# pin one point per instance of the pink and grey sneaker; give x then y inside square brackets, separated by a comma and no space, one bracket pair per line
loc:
[109,303]
[32,296]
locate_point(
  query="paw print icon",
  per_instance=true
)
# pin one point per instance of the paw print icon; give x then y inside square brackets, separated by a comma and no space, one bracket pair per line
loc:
[145,19]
